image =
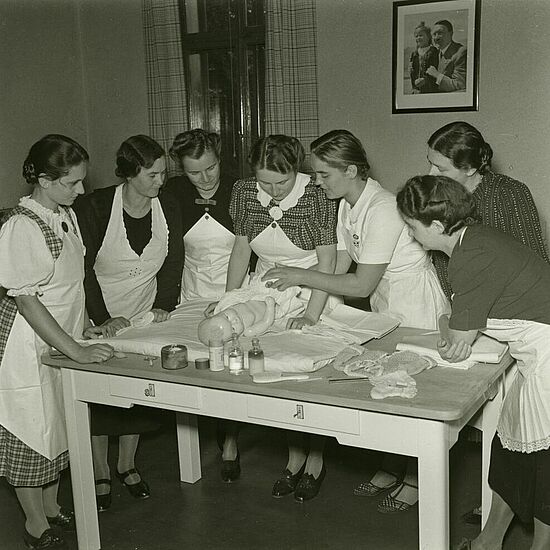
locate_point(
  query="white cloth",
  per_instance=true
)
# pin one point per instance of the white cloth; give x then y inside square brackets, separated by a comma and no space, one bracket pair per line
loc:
[128,282]
[524,423]
[208,246]
[31,398]
[373,232]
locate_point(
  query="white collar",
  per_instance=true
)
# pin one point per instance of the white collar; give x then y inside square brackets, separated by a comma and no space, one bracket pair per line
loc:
[292,198]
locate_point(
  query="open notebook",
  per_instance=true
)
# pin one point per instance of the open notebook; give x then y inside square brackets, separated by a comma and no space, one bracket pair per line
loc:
[484,350]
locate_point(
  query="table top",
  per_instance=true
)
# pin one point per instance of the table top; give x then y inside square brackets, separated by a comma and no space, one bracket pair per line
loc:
[444,394]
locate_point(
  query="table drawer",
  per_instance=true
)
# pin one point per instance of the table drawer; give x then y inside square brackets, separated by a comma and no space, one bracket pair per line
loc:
[154,391]
[298,413]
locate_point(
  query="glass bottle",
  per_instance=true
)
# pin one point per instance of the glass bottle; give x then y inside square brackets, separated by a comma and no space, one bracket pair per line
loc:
[236,355]
[256,358]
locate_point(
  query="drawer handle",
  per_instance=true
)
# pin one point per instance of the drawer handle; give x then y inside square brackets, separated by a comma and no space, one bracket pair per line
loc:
[150,391]
[299,412]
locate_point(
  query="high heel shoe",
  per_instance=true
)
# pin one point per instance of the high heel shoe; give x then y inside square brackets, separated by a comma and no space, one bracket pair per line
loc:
[48,540]
[64,519]
[286,484]
[103,502]
[137,490]
[231,469]
[308,487]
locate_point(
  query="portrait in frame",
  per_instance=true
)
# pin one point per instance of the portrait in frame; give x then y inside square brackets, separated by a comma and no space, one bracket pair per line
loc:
[435,55]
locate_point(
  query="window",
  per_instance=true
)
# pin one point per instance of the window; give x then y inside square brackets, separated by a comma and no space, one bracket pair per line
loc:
[223,49]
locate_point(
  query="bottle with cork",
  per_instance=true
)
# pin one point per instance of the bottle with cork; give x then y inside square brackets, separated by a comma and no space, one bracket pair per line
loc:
[236,355]
[256,362]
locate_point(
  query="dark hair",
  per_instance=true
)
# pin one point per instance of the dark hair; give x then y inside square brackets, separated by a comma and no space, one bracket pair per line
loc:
[429,198]
[340,149]
[463,145]
[193,144]
[445,23]
[135,153]
[278,153]
[53,156]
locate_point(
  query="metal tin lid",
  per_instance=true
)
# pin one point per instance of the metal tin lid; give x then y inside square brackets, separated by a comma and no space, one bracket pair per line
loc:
[202,363]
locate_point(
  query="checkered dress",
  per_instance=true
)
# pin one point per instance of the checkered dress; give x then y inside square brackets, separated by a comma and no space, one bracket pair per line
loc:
[19,464]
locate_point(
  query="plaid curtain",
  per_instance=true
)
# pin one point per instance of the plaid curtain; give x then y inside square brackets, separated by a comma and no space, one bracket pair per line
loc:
[166,90]
[291,103]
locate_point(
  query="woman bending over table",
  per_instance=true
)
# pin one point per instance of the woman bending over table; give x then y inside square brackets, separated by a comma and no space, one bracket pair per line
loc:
[285,219]
[500,288]
[134,259]
[43,271]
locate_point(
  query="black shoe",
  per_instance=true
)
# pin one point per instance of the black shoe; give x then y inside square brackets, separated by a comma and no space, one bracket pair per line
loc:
[49,539]
[286,484]
[473,517]
[308,487]
[137,490]
[103,502]
[64,519]
[231,469]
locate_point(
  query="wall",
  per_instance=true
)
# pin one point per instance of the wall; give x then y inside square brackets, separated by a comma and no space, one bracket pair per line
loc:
[514,90]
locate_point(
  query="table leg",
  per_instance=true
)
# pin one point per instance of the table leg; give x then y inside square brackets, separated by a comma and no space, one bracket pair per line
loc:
[433,485]
[188,447]
[82,472]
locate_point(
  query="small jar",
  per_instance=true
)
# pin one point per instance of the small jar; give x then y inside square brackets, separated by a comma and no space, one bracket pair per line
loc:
[173,357]
[215,354]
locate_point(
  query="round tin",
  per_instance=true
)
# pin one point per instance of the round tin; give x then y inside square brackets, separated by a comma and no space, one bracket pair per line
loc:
[174,357]
[202,363]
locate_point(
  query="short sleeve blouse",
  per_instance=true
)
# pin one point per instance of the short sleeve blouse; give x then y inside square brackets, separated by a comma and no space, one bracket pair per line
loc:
[311,222]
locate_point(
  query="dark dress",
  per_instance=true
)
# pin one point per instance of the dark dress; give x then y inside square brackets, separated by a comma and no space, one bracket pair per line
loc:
[417,69]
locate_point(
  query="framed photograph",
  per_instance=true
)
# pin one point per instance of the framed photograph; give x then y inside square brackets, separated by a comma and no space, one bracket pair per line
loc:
[435,55]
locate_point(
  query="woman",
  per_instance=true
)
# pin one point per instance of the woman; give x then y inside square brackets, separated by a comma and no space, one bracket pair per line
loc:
[203,196]
[500,288]
[43,270]
[134,257]
[459,151]
[425,55]
[392,269]
[283,219]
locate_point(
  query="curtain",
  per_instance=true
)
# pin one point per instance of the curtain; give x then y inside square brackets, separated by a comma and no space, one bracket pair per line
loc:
[291,103]
[166,90]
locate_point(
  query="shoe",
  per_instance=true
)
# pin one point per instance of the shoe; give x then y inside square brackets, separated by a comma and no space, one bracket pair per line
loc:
[48,539]
[473,517]
[137,490]
[308,487]
[103,502]
[286,484]
[369,489]
[64,519]
[392,505]
[231,469]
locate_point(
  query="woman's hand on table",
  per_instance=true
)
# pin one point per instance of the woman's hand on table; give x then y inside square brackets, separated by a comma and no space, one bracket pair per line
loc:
[93,333]
[282,277]
[209,311]
[160,315]
[94,353]
[111,326]
[457,351]
[297,323]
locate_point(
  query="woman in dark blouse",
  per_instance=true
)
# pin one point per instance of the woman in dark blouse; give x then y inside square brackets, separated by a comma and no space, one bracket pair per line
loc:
[133,264]
[500,288]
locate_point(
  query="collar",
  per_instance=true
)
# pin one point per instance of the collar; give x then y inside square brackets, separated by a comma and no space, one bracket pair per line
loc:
[291,199]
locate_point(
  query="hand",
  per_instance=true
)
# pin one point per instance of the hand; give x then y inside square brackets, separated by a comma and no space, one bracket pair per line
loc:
[111,326]
[432,71]
[95,353]
[458,351]
[160,315]
[281,277]
[209,311]
[299,322]
[92,333]
[419,82]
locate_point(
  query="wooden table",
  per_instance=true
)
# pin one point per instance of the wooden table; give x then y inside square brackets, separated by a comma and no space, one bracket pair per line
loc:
[425,427]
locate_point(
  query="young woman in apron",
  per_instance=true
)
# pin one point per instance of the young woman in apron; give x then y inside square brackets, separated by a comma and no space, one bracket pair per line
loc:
[284,219]
[203,195]
[43,271]
[134,258]
[393,270]
[500,288]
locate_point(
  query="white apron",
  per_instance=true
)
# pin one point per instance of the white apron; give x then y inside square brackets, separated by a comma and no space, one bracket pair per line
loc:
[273,246]
[524,422]
[208,246]
[31,401]
[128,281]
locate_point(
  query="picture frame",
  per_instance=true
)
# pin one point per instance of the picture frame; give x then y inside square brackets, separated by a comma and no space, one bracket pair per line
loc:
[435,47]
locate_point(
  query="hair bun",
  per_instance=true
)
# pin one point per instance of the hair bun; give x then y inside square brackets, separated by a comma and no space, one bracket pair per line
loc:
[29,173]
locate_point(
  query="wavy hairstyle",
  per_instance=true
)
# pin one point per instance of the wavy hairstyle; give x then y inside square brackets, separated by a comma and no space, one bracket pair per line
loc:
[277,153]
[430,198]
[193,144]
[464,145]
[52,156]
[135,153]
